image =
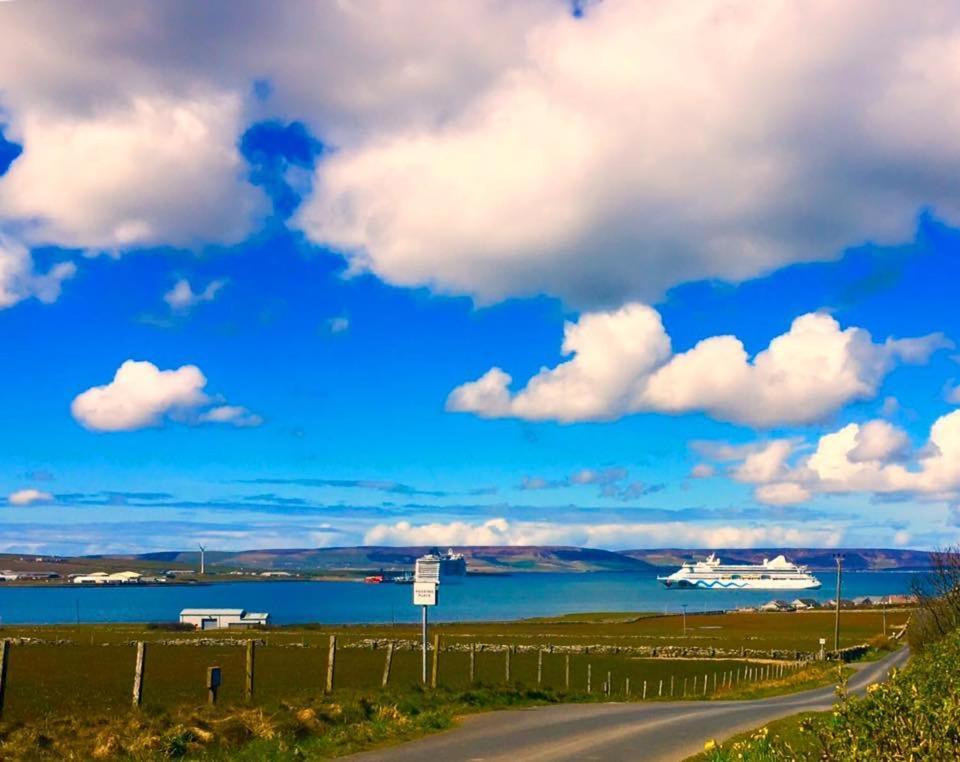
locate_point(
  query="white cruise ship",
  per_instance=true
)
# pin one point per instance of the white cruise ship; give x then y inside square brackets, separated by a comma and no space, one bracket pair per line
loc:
[710,574]
[440,567]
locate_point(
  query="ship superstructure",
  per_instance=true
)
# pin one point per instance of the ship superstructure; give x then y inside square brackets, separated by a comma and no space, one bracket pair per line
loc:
[773,574]
[440,567]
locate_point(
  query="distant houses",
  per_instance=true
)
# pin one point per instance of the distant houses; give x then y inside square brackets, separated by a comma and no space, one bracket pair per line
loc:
[804,604]
[223,619]
[776,605]
[845,603]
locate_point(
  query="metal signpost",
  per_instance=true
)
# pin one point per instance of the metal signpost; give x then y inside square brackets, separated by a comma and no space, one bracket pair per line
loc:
[424,595]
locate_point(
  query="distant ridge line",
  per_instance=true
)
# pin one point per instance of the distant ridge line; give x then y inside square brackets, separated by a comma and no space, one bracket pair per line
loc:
[530,558]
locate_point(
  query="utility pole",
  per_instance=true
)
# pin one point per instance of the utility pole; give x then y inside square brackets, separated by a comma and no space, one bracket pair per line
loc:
[838,557]
[202,559]
[684,607]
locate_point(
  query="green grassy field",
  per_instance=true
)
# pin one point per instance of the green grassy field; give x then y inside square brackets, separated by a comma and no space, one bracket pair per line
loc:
[68,691]
[66,679]
[76,667]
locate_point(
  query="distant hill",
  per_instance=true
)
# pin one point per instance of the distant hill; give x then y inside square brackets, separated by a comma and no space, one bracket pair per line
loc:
[355,561]
[874,559]
[489,559]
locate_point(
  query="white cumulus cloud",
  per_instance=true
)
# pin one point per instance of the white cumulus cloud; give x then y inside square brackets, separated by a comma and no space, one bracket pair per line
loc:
[29,497]
[19,279]
[622,363]
[652,143]
[500,531]
[154,170]
[873,458]
[141,395]
[181,297]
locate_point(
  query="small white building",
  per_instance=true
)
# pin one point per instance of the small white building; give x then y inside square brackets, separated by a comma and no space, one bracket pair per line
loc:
[802,604]
[223,619]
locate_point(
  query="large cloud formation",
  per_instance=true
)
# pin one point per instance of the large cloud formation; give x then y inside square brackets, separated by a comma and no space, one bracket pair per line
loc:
[874,458]
[141,395]
[654,142]
[494,148]
[501,531]
[622,363]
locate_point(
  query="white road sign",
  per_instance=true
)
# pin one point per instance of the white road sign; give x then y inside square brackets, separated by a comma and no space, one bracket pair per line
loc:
[425,593]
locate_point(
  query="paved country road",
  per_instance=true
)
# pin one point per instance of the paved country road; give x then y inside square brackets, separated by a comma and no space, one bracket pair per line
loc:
[638,732]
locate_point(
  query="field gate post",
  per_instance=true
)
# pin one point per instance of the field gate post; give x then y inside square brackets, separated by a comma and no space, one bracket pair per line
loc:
[138,674]
[436,661]
[506,665]
[473,663]
[248,674]
[331,664]
[705,685]
[387,663]
[589,678]
[609,683]
[540,667]
[566,671]
[4,662]
[626,687]
[213,684]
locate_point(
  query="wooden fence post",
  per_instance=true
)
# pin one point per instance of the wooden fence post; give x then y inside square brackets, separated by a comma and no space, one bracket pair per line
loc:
[137,674]
[331,664]
[589,676]
[473,663]
[248,675]
[506,665]
[609,683]
[671,686]
[626,687]
[4,661]
[436,661]
[387,663]
[685,687]
[540,667]
[660,689]
[566,670]
[705,685]
[644,690]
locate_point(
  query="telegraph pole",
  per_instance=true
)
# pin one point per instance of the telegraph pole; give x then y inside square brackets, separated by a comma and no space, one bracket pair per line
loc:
[838,557]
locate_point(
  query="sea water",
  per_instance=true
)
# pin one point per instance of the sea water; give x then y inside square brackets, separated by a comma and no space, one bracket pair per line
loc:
[478,598]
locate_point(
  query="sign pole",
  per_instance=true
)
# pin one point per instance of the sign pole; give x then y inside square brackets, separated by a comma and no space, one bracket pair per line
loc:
[424,595]
[423,671]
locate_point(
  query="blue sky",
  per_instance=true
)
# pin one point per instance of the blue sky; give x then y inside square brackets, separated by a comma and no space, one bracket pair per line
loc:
[316,286]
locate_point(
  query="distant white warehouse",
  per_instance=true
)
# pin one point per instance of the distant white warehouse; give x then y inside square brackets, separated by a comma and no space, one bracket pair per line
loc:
[223,619]
[102,578]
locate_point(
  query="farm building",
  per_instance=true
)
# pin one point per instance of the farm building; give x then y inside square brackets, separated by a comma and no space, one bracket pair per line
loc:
[223,619]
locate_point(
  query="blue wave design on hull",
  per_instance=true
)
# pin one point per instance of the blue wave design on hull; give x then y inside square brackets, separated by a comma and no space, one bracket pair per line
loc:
[718,583]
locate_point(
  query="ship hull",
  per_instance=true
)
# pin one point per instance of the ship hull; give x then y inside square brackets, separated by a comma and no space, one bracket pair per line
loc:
[739,584]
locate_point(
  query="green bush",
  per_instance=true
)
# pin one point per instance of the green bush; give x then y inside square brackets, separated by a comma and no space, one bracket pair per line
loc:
[915,715]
